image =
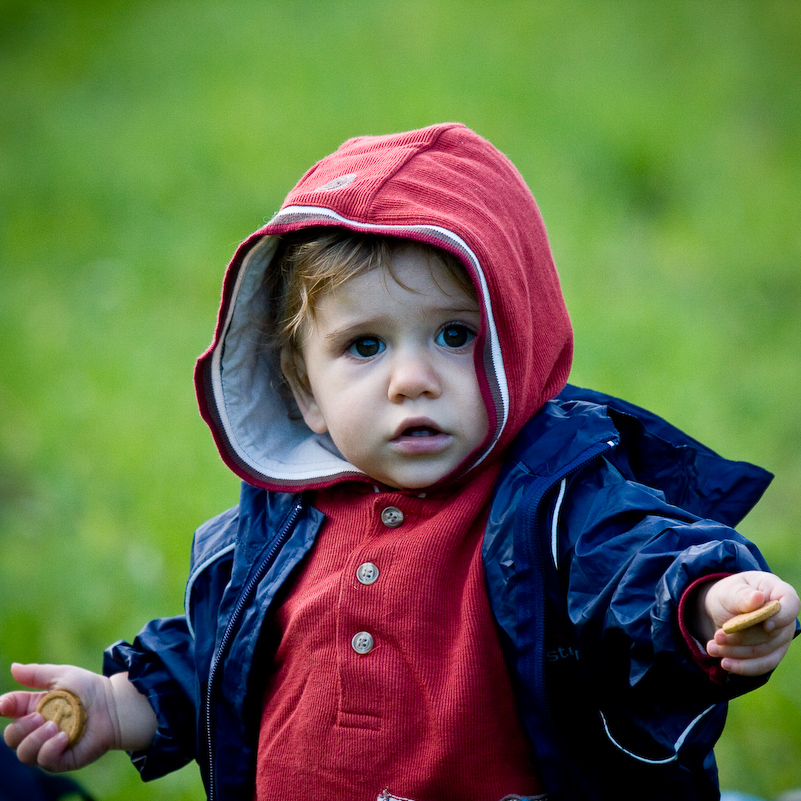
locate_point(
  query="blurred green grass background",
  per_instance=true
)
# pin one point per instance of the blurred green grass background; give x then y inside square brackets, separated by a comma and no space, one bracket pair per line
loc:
[141,140]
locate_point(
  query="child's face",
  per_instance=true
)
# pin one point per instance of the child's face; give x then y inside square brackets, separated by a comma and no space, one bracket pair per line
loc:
[390,369]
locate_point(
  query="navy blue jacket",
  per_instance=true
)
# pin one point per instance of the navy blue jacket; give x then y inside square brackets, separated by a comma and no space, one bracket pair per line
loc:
[603,515]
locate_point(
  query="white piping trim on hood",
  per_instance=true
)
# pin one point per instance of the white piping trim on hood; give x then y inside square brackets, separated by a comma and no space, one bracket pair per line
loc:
[334,465]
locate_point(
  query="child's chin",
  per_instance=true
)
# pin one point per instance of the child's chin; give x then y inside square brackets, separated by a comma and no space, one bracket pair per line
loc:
[418,480]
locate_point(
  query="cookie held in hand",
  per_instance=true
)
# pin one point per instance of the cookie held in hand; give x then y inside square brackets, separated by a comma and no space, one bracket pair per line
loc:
[745,621]
[65,709]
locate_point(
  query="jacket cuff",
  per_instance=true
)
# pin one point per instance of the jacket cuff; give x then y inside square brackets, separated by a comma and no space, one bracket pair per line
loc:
[710,665]
[165,753]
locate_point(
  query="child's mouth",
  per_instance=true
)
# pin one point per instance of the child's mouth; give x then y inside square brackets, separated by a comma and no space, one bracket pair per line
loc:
[420,431]
[421,438]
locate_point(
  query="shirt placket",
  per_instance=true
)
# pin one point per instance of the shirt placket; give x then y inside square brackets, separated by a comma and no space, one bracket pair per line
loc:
[363,631]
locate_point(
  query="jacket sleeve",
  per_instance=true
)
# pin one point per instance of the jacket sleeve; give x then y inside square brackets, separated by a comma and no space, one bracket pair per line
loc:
[160,664]
[627,558]
[168,656]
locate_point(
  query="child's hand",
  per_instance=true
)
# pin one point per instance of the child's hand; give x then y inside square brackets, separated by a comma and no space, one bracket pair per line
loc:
[38,741]
[759,649]
[117,717]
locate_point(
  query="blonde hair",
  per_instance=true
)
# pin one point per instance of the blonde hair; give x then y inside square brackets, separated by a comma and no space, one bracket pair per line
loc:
[311,263]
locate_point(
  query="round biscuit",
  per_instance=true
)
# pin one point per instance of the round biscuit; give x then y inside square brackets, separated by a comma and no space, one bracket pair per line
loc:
[65,709]
[745,621]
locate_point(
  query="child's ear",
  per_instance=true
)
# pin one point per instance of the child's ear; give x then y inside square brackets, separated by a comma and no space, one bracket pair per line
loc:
[294,370]
[310,410]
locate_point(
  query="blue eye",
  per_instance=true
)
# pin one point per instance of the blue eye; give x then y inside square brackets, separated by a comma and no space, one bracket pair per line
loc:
[365,347]
[455,335]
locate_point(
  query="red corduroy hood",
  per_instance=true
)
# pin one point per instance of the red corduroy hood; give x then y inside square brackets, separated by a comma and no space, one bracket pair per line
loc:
[443,185]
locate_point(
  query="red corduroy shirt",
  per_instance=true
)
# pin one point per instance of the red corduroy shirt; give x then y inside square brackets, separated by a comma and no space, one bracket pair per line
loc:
[389,674]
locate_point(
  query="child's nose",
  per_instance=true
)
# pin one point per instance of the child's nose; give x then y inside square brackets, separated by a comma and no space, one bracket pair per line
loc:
[413,375]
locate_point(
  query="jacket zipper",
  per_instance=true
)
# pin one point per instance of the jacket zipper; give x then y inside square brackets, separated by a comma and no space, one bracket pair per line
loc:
[244,598]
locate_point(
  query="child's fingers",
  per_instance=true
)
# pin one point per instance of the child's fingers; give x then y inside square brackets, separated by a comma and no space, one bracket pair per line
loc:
[757,637]
[43,746]
[53,754]
[742,651]
[17,731]
[752,652]
[753,636]
[732,601]
[775,589]
[791,606]
[24,673]
[755,666]
[748,599]
[18,703]
[40,677]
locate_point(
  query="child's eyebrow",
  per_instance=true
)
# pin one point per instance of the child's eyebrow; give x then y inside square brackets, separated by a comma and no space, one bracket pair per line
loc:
[360,325]
[346,331]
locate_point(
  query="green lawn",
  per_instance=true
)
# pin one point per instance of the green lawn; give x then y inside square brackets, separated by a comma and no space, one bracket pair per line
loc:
[140,141]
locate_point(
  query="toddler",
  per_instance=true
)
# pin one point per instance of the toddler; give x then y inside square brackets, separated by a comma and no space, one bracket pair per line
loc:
[450,575]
